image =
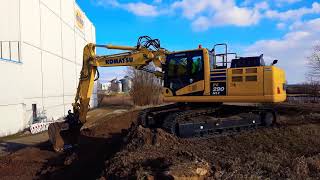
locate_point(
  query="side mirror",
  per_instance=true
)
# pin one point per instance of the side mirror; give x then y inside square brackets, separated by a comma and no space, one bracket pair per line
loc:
[274,62]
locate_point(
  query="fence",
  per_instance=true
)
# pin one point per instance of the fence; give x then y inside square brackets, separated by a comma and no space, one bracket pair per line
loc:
[303,99]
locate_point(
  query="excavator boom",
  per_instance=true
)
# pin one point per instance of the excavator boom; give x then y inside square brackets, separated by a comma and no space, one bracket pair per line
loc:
[137,57]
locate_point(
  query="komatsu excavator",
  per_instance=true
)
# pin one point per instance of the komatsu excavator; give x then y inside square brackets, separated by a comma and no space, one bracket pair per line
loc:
[197,81]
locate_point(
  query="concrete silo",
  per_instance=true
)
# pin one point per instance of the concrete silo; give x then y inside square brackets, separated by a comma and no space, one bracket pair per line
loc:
[126,84]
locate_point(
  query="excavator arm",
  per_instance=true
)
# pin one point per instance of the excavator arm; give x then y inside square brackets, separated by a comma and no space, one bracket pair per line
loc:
[137,57]
[146,52]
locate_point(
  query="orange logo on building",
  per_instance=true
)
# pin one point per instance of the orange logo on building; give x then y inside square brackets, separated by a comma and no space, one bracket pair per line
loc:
[79,19]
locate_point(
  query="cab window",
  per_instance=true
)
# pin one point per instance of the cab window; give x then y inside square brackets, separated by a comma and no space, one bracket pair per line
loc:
[184,69]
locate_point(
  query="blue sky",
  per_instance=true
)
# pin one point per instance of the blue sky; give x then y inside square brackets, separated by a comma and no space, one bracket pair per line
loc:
[280,29]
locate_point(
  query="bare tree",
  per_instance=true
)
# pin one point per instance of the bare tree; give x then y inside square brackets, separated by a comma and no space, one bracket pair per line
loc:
[146,88]
[313,74]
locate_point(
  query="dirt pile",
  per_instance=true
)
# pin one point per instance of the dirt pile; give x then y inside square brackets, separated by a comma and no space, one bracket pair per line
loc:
[154,153]
[139,137]
[96,145]
[267,153]
[87,161]
[289,150]
[25,163]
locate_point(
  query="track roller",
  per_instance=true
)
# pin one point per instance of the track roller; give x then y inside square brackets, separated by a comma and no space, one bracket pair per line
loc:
[268,118]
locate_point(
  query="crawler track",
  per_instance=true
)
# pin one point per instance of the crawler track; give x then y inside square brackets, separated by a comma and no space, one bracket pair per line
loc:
[205,121]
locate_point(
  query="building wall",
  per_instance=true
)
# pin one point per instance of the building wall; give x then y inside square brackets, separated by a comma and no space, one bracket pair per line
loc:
[44,61]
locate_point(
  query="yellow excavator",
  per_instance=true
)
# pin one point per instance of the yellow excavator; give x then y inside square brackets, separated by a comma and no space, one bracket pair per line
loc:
[198,81]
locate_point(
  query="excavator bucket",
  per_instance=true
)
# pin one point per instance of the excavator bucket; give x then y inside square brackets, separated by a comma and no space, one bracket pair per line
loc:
[62,136]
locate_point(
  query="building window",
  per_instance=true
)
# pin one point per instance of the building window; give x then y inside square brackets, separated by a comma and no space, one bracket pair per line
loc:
[10,51]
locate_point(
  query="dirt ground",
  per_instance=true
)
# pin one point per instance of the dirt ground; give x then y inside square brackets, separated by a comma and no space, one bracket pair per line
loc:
[110,148]
[38,161]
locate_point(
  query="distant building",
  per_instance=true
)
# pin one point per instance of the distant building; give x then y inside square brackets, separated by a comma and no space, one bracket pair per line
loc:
[105,86]
[117,86]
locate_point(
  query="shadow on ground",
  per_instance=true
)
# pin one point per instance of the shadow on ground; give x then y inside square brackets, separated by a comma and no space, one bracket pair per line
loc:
[9,147]
[85,162]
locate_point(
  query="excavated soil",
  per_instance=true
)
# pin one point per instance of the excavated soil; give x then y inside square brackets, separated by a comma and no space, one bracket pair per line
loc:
[87,161]
[291,149]
[115,148]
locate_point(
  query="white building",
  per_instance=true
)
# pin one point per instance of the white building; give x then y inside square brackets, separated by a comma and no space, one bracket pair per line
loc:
[105,86]
[41,44]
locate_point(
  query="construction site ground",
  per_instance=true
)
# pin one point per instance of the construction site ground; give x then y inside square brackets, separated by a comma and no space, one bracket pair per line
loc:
[111,147]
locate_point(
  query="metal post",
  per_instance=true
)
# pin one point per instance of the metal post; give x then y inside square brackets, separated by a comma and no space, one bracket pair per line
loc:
[223,60]
[226,55]
[19,58]
[1,48]
[34,111]
[9,50]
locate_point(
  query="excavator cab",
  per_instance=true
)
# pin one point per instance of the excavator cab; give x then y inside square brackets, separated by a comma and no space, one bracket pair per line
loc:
[188,72]
[183,69]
